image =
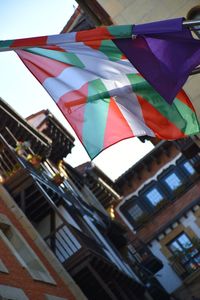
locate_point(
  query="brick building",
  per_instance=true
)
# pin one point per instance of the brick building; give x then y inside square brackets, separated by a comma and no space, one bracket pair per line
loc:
[66,215]
[28,270]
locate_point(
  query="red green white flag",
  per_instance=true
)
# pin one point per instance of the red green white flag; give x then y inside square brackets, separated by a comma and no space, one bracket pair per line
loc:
[101,94]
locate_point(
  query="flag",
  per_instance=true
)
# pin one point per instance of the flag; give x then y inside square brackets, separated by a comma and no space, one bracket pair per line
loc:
[164,52]
[101,94]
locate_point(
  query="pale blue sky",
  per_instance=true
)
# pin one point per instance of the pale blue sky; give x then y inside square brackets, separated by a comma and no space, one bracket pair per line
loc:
[26,18]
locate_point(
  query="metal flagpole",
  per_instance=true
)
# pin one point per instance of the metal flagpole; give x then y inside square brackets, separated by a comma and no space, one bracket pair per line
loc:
[191,25]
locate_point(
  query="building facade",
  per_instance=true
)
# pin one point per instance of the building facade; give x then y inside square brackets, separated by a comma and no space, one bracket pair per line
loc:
[139,256]
[62,209]
[28,270]
[161,205]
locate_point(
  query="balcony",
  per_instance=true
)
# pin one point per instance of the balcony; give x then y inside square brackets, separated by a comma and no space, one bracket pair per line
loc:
[72,247]
[185,272]
[80,251]
[144,259]
[117,234]
[187,262]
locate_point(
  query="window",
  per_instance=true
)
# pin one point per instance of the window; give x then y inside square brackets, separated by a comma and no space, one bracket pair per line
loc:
[11,293]
[173,181]
[180,243]
[185,252]
[22,251]
[154,196]
[135,212]
[188,167]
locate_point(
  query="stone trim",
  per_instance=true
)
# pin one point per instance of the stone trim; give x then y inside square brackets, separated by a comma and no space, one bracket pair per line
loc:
[12,293]
[42,274]
[3,268]
[51,297]
[34,235]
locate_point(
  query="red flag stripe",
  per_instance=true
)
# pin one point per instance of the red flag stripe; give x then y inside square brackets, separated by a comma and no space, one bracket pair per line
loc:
[161,126]
[99,33]
[30,42]
[72,105]
[117,127]
[182,96]
[33,63]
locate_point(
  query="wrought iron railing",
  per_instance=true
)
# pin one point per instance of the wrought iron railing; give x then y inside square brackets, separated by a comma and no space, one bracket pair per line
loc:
[186,267]
[65,242]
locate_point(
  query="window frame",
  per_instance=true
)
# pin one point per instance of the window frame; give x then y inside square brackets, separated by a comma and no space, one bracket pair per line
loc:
[154,184]
[186,260]
[172,169]
[130,203]
[42,275]
[180,165]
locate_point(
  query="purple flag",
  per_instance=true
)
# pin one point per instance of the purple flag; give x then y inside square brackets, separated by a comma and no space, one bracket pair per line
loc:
[164,53]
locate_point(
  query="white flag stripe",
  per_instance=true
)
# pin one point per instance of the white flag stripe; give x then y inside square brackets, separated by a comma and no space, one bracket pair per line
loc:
[80,48]
[125,97]
[131,110]
[138,128]
[61,38]
[69,80]
[73,78]
[91,58]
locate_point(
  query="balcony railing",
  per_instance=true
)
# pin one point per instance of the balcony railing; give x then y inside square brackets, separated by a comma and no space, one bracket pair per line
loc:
[65,242]
[11,163]
[189,266]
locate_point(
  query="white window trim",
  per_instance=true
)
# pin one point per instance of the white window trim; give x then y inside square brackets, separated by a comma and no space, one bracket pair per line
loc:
[3,268]
[12,293]
[36,275]
[51,297]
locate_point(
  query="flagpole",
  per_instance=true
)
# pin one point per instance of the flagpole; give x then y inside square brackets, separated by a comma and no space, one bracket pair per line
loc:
[191,23]
[5,45]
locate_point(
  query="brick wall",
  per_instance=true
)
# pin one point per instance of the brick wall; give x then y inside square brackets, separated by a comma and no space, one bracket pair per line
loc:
[169,213]
[19,276]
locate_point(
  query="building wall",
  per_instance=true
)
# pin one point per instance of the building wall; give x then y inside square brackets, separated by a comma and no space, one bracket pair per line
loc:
[17,274]
[166,276]
[146,174]
[164,226]
[145,11]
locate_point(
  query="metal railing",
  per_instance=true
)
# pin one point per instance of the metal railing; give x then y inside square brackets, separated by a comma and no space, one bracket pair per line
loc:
[183,270]
[65,242]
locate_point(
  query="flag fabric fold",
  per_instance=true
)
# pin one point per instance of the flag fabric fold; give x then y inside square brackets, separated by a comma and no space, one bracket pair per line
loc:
[164,52]
[101,94]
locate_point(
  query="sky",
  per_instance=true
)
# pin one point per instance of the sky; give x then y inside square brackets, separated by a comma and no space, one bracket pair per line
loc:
[18,87]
